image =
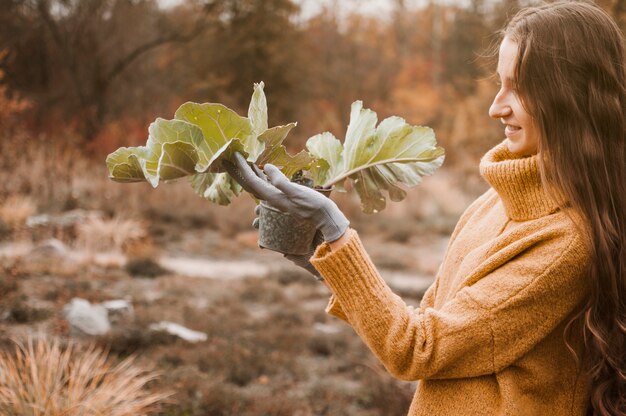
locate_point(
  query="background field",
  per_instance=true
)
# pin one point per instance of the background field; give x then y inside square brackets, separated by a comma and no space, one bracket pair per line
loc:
[80,78]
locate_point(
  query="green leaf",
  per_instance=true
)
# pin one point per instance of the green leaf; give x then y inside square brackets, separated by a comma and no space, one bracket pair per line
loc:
[219,125]
[328,151]
[219,188]
[275,153]
[168,154]
[124,165]
[361,139]
[377,160]
[257,114]
[196,141]
[172,153]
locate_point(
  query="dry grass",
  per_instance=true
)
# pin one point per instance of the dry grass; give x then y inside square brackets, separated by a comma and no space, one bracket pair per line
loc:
[42,378]
[44,169]
[16,209]
[264,354]
[97,234]
[271,349]
[9,107]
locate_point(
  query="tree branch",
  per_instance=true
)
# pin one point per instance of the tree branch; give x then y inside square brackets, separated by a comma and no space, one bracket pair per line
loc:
[43,9]
[148,46]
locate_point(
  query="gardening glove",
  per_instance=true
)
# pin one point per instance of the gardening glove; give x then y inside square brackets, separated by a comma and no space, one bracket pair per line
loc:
[301,260]
[289,197]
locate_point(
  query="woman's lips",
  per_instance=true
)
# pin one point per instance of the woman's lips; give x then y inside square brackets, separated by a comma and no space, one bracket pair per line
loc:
[511,130]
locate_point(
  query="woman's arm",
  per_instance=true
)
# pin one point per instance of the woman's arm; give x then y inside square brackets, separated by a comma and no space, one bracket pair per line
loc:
[486,327]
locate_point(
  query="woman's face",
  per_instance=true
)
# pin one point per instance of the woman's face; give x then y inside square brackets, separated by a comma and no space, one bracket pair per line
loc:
[522,134]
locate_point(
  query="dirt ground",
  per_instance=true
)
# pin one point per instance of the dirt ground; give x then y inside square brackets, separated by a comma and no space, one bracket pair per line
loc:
[271,349]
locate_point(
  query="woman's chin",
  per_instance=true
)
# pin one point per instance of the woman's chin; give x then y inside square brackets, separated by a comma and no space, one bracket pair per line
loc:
[519,148]
[512,146]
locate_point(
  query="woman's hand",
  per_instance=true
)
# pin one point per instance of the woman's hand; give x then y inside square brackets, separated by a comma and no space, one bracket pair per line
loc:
[289,197]
[301,260]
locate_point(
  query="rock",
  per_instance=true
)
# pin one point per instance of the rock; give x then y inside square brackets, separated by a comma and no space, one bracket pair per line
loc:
[180,331]
[119,310]
[51,247]
[85,318]
[326,328]
[66,219]
[64,224]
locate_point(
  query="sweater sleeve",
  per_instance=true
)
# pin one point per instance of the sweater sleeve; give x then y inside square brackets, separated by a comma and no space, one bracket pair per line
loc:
[334,307]
[486,327]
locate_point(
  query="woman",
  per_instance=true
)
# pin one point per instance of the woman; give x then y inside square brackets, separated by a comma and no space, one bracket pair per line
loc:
[527,315]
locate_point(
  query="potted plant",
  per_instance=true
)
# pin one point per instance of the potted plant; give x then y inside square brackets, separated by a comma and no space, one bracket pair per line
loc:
[376,159]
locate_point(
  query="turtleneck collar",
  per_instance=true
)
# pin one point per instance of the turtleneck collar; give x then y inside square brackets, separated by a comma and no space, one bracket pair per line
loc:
[516,179]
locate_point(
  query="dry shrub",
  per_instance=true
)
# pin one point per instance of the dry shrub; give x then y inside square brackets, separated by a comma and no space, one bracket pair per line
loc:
[144,267]
[44,170]
[21,311]
[42,378]
[234,218]
[221,399]
[97,234]
[387,395]
[123,131]
[9,107]
[279,405]
[16,209]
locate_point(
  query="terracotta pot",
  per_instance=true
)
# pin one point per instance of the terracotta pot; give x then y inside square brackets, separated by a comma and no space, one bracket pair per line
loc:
[286,233]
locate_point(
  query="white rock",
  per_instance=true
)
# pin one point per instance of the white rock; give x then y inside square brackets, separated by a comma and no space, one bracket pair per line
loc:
[37,220]
[179,331]
[49,248]
[85,318]
[119,309]
[326,328]
[117,305]
[65,219]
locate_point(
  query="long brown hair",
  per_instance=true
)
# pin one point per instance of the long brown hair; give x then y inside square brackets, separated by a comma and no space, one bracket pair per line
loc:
[570,75]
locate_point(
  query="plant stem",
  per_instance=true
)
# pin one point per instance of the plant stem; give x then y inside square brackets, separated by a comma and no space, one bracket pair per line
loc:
[349,173]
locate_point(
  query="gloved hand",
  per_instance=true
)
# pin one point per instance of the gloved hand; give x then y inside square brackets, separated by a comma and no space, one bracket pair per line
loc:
[289,197]
[303,259]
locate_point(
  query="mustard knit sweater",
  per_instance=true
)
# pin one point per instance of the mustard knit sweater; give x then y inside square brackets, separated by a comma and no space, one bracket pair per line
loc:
[487,338]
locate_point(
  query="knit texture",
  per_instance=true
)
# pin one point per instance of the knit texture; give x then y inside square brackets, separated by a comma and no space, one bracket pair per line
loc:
[487,338]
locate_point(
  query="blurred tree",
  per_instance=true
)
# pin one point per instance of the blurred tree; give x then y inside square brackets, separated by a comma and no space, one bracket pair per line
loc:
[107,67]
[401,27]
[258,40]
[66,54]
[10,107]
[356,62]
[465,40]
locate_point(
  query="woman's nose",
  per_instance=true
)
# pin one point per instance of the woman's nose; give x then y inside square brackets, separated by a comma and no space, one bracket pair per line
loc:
[499,108]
